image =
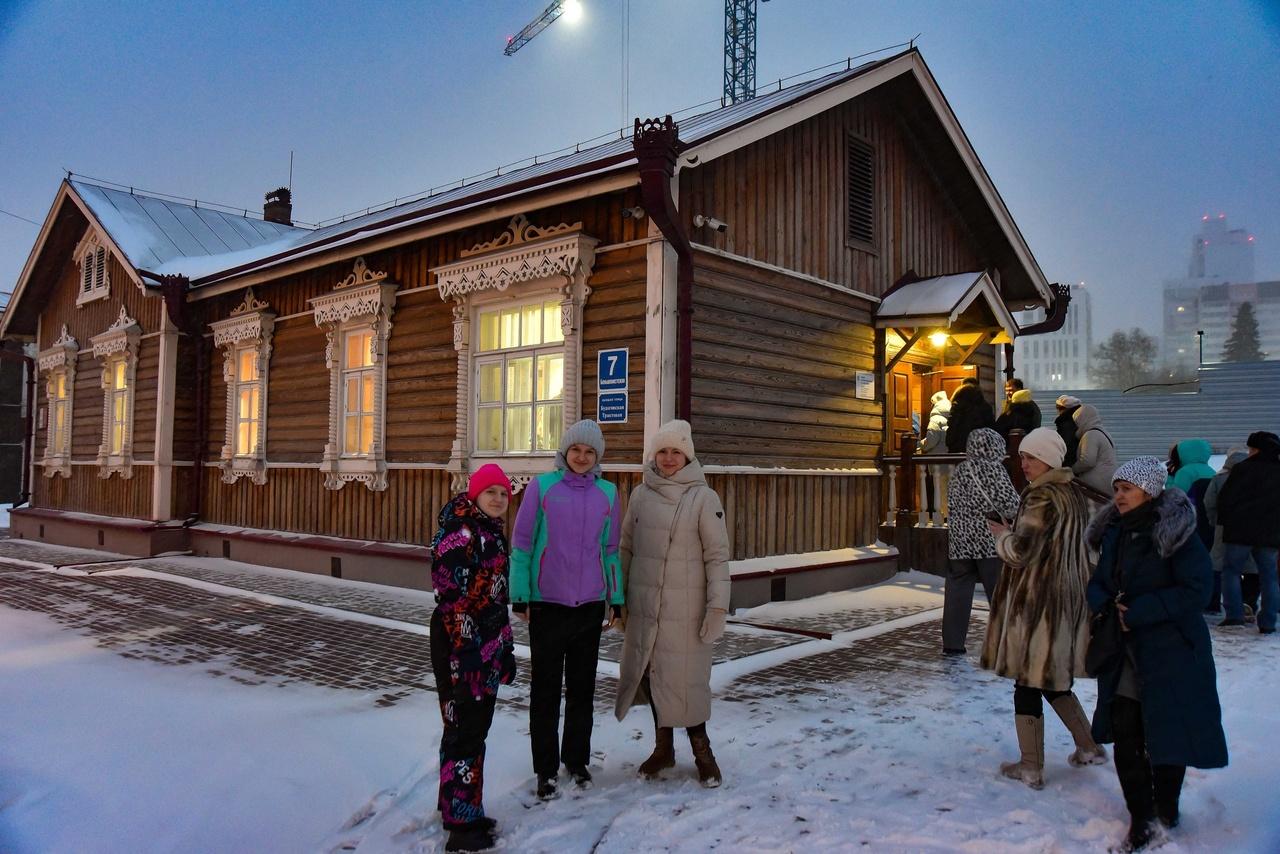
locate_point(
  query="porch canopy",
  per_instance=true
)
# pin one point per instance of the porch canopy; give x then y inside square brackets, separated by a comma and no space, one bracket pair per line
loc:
[965,306]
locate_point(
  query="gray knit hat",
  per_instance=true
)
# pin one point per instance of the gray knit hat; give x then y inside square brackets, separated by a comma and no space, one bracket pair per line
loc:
[1146,473]
[585,432]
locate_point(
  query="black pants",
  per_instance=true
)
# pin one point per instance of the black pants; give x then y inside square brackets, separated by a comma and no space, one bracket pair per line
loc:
[564,646]
[1026,700]
[466,726]
[1147,788]
[963,576]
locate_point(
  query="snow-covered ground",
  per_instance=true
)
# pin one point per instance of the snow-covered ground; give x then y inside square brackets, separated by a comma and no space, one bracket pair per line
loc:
[101,753]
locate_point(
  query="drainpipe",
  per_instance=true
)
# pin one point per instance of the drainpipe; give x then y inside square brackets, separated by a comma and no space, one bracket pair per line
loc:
[28,422]
[656,143]
[174,291]
[1056,316]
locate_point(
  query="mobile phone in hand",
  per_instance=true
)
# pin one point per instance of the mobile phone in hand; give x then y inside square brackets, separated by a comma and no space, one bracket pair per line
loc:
[993,516]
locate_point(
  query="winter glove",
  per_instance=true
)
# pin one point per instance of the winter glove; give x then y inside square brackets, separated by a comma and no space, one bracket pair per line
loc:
[712,625]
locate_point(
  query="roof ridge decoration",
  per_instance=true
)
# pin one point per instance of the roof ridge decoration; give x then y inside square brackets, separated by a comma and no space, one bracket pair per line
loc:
[360,275]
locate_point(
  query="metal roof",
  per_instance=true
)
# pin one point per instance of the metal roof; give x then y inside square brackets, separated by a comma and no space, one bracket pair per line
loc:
[152,232]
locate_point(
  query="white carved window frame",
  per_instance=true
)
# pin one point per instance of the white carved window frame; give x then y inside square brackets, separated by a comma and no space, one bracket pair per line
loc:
[59,362]
[118,344]
[249,328]
[362,301]
[91,256]
[540,262]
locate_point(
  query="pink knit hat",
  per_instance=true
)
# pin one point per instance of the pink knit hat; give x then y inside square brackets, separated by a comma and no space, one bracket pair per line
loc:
[490,474]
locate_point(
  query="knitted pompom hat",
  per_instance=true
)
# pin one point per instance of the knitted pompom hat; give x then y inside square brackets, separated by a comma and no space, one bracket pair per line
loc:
[1146,473]
[1045,445]
[674,434]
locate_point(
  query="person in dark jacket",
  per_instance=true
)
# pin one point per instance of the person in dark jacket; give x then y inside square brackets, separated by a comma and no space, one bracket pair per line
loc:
[1021,413]
[1066,424]
[1159,702]
[1249,511]
[969,411]
[471,647]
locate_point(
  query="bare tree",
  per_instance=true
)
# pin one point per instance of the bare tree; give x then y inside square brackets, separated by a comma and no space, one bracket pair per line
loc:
[1125,359]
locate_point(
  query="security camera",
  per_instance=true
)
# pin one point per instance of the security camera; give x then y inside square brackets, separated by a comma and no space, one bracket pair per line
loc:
[711,222]
[633,213]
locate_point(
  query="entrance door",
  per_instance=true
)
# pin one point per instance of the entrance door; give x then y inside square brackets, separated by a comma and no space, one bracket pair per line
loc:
[946,379]
[905,415]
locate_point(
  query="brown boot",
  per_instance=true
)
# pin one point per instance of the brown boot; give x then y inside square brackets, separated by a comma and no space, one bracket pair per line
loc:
[1088,751]
[1030,768]
[663,756]
[708,770]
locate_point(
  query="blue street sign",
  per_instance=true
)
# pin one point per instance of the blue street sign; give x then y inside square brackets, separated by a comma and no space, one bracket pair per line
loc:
[611,407]
[612,369]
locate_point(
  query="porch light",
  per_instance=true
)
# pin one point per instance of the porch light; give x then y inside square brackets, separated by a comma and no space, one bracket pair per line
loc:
[938,339]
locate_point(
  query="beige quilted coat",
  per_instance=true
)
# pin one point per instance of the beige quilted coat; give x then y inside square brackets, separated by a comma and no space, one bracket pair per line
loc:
[675,558]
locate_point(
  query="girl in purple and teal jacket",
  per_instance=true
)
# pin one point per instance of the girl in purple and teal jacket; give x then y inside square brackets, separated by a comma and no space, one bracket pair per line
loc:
[566,581]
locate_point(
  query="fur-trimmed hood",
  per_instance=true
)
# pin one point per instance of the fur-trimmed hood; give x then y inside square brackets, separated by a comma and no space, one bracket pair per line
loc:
[1175,522]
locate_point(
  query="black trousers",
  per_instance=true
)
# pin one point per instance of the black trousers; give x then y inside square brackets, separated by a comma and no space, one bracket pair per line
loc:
[1147,788]
[1026,700]
[466,726]
[564,647]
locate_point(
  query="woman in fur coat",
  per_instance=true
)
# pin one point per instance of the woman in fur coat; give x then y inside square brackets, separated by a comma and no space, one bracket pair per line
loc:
[1038,629]
[1159,704]
[675,557]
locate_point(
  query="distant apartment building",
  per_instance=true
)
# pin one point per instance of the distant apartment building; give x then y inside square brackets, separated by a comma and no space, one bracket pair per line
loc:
[1059,359]
[1220,278]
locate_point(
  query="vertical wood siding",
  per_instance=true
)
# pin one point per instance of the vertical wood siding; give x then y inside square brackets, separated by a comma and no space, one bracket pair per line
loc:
[790,514]
[615,317]
[85,492]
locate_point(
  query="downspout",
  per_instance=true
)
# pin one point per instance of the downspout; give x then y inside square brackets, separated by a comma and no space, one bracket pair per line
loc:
[656,143]
[1056,316]
[28,422]
[174,291]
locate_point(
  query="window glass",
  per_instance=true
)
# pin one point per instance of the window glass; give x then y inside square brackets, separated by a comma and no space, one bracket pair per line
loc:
[490,382]
[550,425]
[550,376]
[520,380]
[489,429]
[518,433]
[551,331]
[531,325]
[119,379]
[518,406]
[488,331]
[248,369]
[509,328]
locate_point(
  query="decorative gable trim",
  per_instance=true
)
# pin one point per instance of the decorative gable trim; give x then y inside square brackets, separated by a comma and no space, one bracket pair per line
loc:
[251,325]
[363,300]
[59,360]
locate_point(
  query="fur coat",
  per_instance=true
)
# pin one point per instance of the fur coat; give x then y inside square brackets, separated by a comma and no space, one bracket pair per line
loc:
[1038,628]
[675,558]
[1163,570]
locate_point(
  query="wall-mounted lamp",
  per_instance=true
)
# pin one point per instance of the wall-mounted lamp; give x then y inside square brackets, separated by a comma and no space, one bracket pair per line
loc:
[633,213]
[938,339]
[711,222]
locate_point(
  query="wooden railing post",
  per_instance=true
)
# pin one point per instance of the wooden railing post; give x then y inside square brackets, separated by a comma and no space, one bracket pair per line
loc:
[902,537]
[1013,462]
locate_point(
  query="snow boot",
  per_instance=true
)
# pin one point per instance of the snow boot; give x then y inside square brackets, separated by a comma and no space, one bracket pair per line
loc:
[1168,789]
[663,756]
[472,839]
[580,775]
[708,770]
[1030,768]
[1088,751]
[547,790]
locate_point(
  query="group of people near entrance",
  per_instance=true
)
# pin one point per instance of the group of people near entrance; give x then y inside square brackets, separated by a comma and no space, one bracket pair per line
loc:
[574,567]
[1118,594]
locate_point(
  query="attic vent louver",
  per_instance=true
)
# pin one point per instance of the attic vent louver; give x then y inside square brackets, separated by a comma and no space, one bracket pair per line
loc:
[860,187]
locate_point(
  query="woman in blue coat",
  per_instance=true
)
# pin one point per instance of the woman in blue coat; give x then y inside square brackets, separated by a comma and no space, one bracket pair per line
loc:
[1159,702]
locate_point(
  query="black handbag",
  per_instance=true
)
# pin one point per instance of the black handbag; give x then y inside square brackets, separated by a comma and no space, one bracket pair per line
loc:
[1106,643]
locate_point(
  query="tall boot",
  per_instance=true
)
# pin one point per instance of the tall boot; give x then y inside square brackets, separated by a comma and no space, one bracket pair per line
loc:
[1088,751]
[708,770]
[1134,770]
[664,753]
[1168,789]
[1030,768]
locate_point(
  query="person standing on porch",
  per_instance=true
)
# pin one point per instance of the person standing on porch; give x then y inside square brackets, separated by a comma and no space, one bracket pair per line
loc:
[675,557]
[935,436]
[1158,701]
[471,647]
[979,488]
[969,411]
[1038,629]
[566,582]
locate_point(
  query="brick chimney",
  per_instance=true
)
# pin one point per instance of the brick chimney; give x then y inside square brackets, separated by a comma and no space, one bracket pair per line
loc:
[279,206]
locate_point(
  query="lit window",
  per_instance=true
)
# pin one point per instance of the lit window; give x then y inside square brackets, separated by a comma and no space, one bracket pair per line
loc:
[358,377]
[245,339]
[248,396]
[58,402]
[117,348]
[59,360]
[519,379]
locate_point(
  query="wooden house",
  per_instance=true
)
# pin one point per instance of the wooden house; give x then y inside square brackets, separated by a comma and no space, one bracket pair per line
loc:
[793,274]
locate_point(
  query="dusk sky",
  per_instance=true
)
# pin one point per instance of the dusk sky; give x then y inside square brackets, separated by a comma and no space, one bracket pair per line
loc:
[1109,128]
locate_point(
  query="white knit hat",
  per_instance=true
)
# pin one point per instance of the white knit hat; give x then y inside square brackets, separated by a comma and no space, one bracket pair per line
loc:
[1146,473]
[1067,401]
[674,434]
[1045,445]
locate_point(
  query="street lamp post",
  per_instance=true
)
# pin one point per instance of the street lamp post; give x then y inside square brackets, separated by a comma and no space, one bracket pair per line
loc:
[1200,340]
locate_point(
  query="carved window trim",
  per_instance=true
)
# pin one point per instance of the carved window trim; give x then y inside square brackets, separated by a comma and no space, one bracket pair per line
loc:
[363,301]
[94,282]
[118,344]
[555,260]
[59,363]
[249,328]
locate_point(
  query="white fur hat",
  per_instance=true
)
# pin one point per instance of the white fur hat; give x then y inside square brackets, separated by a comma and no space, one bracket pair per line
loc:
[1045,445]
[1146,473]
[674,434]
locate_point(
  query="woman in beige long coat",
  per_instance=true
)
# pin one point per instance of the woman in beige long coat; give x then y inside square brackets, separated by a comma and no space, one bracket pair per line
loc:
[675,558]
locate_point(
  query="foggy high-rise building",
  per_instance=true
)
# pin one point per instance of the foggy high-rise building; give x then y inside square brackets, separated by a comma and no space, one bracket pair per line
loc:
[1058,359]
